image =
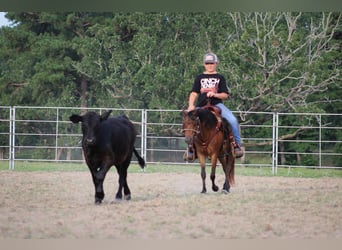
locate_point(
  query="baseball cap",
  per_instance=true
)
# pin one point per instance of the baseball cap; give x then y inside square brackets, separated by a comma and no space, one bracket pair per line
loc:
[210,58]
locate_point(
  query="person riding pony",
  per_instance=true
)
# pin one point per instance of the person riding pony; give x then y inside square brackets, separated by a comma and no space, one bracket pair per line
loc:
[210,84]
[211,136]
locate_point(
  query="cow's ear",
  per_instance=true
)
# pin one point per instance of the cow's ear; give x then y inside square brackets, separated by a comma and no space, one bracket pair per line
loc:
[105,115]
[75,118]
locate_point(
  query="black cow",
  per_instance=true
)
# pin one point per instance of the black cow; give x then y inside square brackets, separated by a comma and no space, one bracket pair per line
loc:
[107,142]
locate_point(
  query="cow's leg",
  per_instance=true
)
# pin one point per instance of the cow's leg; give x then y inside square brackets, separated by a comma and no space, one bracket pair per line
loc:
[99,194]
[118,195]
[122,171]
[98,178]
[127,192]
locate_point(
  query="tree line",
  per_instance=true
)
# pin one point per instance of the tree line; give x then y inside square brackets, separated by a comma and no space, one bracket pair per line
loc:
[289,62]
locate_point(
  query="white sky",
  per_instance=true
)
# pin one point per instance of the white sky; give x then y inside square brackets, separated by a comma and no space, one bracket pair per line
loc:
[3,19]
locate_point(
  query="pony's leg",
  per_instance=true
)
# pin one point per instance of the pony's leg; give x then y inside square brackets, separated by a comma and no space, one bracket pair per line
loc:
[226,185]
[213,172]
[230,169]
[203,173]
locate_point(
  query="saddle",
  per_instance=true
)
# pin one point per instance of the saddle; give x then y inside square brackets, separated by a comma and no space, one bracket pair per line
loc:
[215,110]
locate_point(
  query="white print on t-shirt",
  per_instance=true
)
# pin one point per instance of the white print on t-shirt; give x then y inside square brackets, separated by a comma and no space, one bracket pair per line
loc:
[208,83]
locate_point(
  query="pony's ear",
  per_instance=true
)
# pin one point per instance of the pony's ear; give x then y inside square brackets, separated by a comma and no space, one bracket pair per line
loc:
[193,113]
[105,115]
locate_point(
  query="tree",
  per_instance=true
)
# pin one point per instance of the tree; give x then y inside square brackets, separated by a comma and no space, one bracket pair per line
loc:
[277,61]
[273,61]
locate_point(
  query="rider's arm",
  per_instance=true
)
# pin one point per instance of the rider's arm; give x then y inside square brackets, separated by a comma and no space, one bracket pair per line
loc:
[192,99]
[222,95]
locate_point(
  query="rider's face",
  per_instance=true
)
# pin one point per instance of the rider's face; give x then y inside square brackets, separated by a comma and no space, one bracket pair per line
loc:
[210,67]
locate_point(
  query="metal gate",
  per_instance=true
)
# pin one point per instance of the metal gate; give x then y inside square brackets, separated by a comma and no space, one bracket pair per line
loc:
[281,140]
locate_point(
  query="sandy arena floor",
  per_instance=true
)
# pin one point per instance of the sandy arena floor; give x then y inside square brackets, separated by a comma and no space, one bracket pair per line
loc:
[58,205]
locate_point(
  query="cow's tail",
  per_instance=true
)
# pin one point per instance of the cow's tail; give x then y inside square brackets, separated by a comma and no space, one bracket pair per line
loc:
[141,161]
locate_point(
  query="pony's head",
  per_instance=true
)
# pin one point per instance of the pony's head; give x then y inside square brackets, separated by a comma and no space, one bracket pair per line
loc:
[190,125]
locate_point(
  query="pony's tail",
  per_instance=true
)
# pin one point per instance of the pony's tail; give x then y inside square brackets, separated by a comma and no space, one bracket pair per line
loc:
[141,161]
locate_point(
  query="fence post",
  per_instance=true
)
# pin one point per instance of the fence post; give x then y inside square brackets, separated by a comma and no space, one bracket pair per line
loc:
[143,132]
[56,136]
[12,138]
[320,141]
[275,143]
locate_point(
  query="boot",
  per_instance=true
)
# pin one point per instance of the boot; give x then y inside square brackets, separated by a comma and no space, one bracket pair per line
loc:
[237,148]
[189,155]
[238,151]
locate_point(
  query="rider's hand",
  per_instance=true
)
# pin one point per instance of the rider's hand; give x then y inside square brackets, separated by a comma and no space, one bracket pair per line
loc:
[211,94]
[191,107]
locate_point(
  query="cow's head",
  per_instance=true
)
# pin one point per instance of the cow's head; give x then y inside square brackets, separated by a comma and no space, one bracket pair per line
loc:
[90,121]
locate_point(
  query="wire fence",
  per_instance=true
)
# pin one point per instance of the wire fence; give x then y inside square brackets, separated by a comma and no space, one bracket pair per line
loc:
[270,139]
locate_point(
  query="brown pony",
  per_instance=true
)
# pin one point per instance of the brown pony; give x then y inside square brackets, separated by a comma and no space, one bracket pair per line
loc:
[206,131]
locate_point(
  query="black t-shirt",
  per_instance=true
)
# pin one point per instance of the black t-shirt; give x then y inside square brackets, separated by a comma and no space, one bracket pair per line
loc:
[209,82]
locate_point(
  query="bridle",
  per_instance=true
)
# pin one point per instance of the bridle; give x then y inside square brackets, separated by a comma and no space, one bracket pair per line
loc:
[196,129]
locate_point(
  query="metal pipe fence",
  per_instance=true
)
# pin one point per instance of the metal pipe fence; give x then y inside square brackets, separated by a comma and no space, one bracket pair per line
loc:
[270,139]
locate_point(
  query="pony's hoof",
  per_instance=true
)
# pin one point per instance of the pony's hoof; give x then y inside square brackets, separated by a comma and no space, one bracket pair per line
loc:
[224,191]
[127,197]
[215,188]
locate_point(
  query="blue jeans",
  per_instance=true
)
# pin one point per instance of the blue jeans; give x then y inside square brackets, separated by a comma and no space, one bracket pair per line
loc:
[229,116]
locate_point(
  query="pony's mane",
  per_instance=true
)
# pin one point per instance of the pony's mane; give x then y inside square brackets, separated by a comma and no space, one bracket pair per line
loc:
[207,117]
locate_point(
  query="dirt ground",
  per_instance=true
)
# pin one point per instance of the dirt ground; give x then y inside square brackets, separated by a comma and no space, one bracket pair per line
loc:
[58,205]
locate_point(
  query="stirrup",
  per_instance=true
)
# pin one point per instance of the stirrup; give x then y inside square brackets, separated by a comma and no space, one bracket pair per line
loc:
[238,151]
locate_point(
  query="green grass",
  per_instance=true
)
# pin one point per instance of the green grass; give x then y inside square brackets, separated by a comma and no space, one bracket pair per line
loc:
[27,166]
[23,166]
